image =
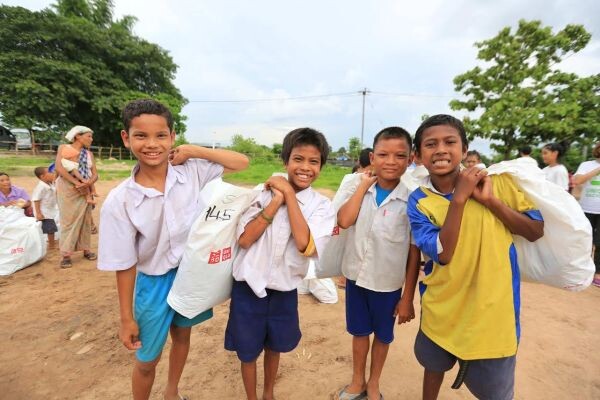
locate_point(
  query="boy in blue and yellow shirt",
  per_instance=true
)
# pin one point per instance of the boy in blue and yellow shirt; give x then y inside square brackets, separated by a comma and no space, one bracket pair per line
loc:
[464,221]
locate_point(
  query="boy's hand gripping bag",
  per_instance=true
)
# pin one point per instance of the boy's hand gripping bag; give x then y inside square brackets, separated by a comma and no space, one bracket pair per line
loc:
[22,242]
[204,277]
[562,257]
[330,262]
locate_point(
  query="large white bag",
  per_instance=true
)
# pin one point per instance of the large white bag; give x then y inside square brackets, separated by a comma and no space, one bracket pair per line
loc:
[22,242]
[204,277]
[562,257]
[324,290]
[330,262]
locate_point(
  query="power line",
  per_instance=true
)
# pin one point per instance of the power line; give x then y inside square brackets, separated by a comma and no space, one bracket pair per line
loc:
[399,94]
[271,99]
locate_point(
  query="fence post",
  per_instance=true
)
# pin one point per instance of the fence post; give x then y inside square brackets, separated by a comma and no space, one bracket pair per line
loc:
[110,152]
[120,154]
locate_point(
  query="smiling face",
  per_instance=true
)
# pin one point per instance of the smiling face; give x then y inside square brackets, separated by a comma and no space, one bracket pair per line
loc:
[85,139]
[149,139]
[303,166]
[441,150]
[5,183]
[390,158]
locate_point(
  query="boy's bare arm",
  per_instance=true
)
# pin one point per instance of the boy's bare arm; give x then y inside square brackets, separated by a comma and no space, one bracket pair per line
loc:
[230,160]
[129,331]
[348,213]
[298,225]
[255,228]
[580,179]
[465,185]
[406,309]
[38,211]
[515,221]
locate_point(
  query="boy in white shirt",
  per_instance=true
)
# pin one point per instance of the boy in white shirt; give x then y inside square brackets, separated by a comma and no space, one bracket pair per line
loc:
[44,203]
[379,259]
[144,224]
[288,225]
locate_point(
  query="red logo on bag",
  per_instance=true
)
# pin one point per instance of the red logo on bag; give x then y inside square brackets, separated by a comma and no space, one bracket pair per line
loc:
[215,257]
[226,253]
[17,250]
[336,231]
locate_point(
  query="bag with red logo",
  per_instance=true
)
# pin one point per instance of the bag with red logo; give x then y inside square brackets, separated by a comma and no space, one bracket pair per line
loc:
[330,262]
[22,242]
[204,277]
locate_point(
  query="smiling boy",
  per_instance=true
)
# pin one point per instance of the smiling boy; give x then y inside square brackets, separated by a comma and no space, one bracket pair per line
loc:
[288,224]
[144,224]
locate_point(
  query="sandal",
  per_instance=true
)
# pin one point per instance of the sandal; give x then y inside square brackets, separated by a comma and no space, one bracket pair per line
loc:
[66,262]
[90,256]
[343,395]
[596,282]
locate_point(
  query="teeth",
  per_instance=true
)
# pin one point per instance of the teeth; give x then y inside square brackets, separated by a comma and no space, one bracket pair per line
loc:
[441,162]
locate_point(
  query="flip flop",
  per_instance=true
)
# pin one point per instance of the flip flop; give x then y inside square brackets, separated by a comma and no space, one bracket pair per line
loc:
[90,256]
[343,395]
[66,263]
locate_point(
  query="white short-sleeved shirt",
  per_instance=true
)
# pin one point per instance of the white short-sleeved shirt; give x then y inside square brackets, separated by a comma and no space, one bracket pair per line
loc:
[273,261]
[590,193]
[558,174]
[377,244]
[144,227]
[46,194]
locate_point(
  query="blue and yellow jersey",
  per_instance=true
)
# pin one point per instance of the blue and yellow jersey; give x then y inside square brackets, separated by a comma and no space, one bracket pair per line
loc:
[470,306]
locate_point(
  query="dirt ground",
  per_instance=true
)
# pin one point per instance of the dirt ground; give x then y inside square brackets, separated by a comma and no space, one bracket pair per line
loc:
[59,341]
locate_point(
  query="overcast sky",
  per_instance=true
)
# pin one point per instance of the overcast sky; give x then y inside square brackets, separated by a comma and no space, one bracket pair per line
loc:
[238,50]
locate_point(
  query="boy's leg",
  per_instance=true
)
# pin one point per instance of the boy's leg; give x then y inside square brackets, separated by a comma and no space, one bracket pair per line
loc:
[360,350]
[143,378]
[249,378]
[436,362]
[271,367]
[432,382]
[378,355]
[180,337]
[51,242]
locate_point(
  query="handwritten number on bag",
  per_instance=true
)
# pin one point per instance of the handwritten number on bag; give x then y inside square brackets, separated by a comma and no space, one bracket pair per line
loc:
[219,215]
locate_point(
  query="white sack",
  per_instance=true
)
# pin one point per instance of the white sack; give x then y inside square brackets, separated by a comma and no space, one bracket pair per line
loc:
[204,277]
[324,290]
[22,242]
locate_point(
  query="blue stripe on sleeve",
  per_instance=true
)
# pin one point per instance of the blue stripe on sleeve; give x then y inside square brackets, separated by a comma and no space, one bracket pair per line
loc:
[424,231]
[535,215]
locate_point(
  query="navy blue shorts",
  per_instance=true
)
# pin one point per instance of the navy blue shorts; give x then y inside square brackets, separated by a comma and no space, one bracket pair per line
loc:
[257,323]
[369,312]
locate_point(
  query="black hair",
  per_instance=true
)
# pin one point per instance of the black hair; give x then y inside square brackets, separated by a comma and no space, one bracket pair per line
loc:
[138,107]
[304,136]
[474,153]
[437,120]
[364,158]
[525,150]
[39,171]
[4,173]
[392,132]
[561,148]
[354,168]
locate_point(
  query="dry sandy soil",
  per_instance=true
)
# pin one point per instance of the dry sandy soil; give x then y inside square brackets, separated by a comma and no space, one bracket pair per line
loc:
[42,307]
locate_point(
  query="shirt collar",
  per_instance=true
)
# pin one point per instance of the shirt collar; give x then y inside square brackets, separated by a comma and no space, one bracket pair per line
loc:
[304,196]
[400,192]
[139,192]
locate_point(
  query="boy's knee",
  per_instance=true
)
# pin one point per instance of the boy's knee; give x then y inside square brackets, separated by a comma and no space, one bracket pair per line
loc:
[147,368]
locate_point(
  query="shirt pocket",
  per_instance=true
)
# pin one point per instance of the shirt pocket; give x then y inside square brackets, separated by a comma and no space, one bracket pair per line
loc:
[392,225]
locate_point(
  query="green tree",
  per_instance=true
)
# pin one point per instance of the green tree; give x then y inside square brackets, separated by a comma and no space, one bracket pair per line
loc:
[341,150]
[73,64]
[521,96]
[277,148]
[354,148]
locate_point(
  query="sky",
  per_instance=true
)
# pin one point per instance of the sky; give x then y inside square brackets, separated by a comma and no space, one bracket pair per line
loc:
[405,53]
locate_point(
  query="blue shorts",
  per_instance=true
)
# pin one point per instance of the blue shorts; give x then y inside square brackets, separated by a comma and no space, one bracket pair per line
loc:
[154,316]
[369,312]
[257,323]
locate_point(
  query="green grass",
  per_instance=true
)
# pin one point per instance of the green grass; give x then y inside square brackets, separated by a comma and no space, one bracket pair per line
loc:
[260,170]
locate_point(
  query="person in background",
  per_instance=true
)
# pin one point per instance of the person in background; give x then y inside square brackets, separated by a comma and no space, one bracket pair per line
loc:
[525,155]
[13,195]
[588,177]
[44,201]
[555,172]
[473,159]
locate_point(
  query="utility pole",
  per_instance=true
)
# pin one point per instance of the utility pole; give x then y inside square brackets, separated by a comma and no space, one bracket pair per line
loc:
[362,129]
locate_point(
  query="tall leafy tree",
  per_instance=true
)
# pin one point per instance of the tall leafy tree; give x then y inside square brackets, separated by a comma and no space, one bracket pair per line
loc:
[354,148]
[520,94]
[74,64]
